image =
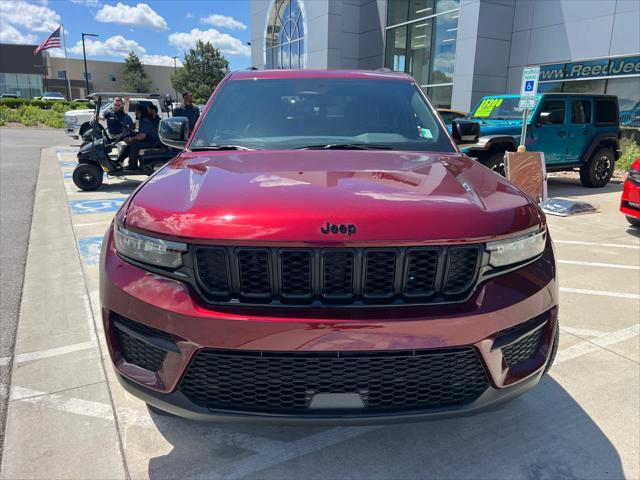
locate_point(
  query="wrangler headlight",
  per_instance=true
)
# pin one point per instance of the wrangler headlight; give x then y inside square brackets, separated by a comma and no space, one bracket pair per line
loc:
[517,249]
[154,251]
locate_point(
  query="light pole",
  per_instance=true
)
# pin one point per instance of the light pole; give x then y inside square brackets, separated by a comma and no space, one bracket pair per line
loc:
[175,92]
[84,54]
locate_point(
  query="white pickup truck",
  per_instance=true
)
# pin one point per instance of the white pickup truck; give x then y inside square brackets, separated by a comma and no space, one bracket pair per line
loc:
[77,122]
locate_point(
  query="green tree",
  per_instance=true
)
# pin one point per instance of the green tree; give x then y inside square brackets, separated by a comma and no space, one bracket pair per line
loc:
[204,67]
[134,77]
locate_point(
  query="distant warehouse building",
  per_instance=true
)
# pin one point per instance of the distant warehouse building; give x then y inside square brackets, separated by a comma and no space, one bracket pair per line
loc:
[28,76]
[459,51]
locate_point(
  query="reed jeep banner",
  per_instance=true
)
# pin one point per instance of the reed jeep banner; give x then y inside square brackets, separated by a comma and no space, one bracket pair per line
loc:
[608,67]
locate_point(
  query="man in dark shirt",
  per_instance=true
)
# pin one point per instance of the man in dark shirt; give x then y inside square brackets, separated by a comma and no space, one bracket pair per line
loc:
[147,137]
[117,119]
[189,110]
[153,115]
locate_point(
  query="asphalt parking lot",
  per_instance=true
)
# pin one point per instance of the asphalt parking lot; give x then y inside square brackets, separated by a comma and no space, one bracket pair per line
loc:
[69,418]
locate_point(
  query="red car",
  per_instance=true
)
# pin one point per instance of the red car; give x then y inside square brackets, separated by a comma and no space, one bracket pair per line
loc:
[321,251]
[630,203]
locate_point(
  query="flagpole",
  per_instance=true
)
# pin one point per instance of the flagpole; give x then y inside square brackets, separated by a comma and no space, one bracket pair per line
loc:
[66,61]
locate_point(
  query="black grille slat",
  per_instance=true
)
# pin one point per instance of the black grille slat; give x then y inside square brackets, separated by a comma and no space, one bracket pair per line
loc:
[380,266]
[337,274]
[461,269]
[296,274]
[385,275]
[212,270]
[286,382]
[522,350]
[422,265]
[255,277]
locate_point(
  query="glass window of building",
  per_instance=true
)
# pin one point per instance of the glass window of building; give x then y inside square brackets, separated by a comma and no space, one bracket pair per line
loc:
[421,41]
[627,90]
[284,38]
[87,75]
[62,74]
[112,77]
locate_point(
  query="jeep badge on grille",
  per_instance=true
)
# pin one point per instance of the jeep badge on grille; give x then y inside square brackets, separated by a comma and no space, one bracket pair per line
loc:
[349,229]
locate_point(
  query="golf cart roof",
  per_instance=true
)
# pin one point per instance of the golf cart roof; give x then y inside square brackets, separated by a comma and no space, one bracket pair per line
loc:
[124,94]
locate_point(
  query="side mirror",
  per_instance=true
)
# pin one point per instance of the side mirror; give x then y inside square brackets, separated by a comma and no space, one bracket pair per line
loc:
[174,131]
[465,131]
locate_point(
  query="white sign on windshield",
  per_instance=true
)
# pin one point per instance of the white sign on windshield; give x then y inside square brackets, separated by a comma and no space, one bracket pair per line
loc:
[529,88]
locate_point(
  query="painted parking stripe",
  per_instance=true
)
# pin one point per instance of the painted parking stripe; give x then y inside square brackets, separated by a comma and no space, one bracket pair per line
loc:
[612,245]
[601,293]
[67,149]
[89,248]
[50,352]
[106,205]
[597,264]
[594,344]
[67,163]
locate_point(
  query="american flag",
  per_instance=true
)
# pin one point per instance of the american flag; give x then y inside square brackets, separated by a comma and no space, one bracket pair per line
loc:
[52,41]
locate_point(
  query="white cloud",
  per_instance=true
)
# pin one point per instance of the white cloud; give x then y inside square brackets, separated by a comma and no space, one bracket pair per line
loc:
[116,46]
[9,34]
[164,60]
[54,52]
[142,15]
[34,18]
[227,44]
[222,21]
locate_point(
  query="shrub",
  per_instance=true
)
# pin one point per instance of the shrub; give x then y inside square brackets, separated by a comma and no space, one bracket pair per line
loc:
[629,153]
[31,116]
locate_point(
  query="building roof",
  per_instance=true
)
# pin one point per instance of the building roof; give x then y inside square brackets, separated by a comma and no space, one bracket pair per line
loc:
[368,74]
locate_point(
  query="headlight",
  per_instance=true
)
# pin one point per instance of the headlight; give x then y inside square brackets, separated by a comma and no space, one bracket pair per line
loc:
[516,250]
[634,176]
[154,251]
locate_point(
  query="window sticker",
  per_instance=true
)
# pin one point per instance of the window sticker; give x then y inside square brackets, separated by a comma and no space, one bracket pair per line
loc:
[425,133]
[487,106]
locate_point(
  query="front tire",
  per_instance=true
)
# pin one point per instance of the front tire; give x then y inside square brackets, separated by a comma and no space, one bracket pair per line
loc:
[88,176]
[634,222]
[84,128]
[496,163]
[597,171]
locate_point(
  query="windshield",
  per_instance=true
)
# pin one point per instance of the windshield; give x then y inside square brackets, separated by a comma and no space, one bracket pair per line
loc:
[53,94]
[498,109]
[316,112]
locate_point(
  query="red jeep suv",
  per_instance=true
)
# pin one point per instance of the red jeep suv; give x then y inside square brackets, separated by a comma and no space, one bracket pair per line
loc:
[321,251]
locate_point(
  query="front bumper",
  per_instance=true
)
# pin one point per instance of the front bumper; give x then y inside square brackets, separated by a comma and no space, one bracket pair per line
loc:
[169,306]
[72,130]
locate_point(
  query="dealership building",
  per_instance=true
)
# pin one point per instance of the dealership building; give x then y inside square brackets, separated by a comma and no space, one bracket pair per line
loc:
[27,75]
[460,50]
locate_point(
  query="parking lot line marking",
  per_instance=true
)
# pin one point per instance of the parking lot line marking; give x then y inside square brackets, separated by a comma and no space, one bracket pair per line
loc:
[597,264]
[601,293]
[581,332]
[595,344]
[59,402]
[48,353]
[613,245]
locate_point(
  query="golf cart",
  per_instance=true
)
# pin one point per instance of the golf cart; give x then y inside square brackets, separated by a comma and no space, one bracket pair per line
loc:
[93,156]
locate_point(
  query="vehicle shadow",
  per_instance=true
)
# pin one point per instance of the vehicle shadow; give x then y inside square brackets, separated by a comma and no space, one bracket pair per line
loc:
[634,232]
[571,187]
[544,434]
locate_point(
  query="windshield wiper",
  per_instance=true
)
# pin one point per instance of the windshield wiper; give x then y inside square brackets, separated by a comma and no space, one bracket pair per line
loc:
[347,146]
[220,147]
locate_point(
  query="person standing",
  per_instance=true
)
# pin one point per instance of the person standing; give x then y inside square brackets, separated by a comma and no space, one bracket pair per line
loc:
[188,110]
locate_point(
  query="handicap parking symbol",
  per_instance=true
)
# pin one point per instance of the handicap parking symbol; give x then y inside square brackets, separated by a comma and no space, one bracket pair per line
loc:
[528,86]
[106,205]
[90,249]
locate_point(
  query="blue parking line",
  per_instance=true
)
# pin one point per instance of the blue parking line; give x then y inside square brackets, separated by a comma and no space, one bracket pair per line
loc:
[67,163]
[67,149]
[106,205]
[90,249]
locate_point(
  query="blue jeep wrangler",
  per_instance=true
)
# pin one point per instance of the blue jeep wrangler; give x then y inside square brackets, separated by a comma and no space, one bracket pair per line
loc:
[572,130]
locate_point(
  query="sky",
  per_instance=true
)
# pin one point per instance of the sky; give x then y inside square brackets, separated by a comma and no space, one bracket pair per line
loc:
[156,30]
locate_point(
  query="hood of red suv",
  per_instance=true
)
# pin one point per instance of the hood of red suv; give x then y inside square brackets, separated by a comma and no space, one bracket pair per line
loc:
[329,196]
